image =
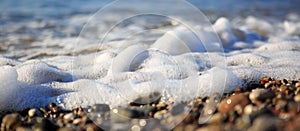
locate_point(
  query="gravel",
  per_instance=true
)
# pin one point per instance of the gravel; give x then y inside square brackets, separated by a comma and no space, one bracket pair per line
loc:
[268,105]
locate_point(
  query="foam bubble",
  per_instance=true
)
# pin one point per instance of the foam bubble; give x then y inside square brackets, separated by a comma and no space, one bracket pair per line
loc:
[38,73]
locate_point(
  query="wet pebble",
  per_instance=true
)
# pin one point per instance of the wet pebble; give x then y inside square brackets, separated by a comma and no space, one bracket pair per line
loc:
[257,96]
[153,98]
[178,109]
[11,122]
[228,104]
[44,124]
[68,117]
[33,112]
[159,114]
[297,84]
[216,118]
[210,105]
[266,123]
[100,108]
[249,109]
[297,98]
[211,128]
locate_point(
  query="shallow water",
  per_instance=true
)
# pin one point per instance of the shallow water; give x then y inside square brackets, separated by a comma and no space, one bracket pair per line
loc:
[47,55]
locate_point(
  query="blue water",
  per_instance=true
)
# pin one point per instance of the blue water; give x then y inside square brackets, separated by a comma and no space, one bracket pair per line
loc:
[18,10]
[25,21]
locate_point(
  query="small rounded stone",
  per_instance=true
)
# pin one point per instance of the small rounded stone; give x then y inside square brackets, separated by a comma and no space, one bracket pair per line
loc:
[10,122]
[32,112]
[297,98]
[260,95]
[100,108]
[266,123]
[216,118]
[297,84]
[178,109]
[77,121]
[69,116]
[229,103]
[249,109]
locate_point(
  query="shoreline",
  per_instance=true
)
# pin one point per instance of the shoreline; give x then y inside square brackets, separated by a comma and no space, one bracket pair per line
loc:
[267,105]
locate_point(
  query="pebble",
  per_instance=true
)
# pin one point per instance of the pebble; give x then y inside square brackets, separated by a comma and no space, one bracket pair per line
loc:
[297,84]
[159,114]
[243,122]
[211,128]
[77,121]
[284,82]
[161,106]
[178,109]
[294,108]
[92,127]
[216,118]
[249,109]
[53,108]
[11,122]
[44,124]
[260,95]
[297,98]
[268,85]
[69,116]
[266,123]
[190,127]
[33,112]
[66,129]
[211,104]
[121,115]
[100,108]
[21,128]
[153,98]
[229,103]
[281,105]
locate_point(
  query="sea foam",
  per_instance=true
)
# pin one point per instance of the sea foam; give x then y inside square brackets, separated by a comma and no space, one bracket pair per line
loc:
[176,64]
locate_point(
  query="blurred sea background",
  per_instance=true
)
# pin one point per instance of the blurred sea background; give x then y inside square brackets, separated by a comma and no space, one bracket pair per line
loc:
[49,18]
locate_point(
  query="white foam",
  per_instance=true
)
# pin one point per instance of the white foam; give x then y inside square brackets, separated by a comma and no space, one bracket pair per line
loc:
[8,88]
[179,42]
[38,73]
[223,28]
[175,63]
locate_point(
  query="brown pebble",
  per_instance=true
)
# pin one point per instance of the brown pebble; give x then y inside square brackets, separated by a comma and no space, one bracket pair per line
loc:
[283,89]
[190,127]
[211,128]
[23,129]
[297,98]
[66,129]
[267,78]
[262,82]
[229,103]
[281,105]
[277,82]
[11,122]
[297,84]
